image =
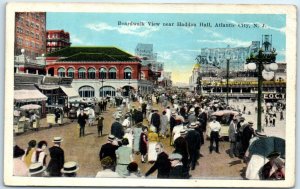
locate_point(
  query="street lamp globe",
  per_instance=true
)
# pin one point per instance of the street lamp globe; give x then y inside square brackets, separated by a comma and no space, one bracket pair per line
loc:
[273,67]
[267,75]
[267,67]
[251,66]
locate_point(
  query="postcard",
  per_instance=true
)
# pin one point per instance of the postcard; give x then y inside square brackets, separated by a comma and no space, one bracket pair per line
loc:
[150,95]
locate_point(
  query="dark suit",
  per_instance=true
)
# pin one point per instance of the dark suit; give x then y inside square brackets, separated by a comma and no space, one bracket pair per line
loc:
[117,130]
[181,147]
[56,162]
[155,121]
[108,149]
[178,173]
[82,121]
[193,140]
[162,165]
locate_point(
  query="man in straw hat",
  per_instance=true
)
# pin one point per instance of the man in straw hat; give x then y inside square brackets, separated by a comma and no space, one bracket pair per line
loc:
[37,170]
[215,128]
[57,158]
[70,169]
[109,149]
[193,140]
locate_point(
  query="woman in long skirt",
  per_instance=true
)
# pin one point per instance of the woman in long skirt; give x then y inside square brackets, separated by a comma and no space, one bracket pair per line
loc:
[144,144]
[153,139]
[137,131]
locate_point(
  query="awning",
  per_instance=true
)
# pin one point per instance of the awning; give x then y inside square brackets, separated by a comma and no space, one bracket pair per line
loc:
[28,94]
[48,87]
[70,91]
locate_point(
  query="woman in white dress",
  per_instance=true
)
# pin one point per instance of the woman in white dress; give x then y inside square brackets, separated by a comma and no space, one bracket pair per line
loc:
[153,139]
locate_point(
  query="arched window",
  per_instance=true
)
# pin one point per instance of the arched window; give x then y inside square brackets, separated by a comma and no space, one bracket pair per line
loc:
[86,91]
[61,72]
[112,73]
[107,90]
[102,73]
[142,75]
[127,73]
[81,73]
[91,73]
[71,72]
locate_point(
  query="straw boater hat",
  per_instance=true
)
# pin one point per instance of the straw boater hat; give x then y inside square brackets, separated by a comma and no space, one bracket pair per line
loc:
[111,138]
[260,133]
[36,168]
[250,122]
[70,167]
[175,156]
[57,140]
[183,132]
[193,125]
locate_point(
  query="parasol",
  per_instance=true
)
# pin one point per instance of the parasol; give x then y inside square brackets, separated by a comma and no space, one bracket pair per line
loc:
[266,145]
[30,107]
[225,112]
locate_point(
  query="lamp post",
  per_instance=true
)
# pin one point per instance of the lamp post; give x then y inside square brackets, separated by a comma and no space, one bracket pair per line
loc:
[227,77]
[264,59]
[102,81]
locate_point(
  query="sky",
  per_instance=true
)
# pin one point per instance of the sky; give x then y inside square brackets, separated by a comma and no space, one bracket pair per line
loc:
[176,46]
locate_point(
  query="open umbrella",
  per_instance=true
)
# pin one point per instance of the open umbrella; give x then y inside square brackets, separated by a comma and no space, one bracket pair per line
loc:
[266,145]
[225,112]
[30,107]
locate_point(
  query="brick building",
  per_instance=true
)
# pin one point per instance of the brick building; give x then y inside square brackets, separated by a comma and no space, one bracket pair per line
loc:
[99,71]
[30,33]
[57,39]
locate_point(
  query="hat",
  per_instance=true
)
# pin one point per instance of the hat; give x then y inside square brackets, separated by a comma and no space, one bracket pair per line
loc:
[213,117]
[242,118]
[70,167]
[36,168]
[193,124]
[118,116]
[197,122]
[273,155]
[57,139]
[192,109]
[175,156]
[173,113]
[107,162]
[250,122]
[260,133]
[111,138]
[18,152]
[132,167]
[183,131]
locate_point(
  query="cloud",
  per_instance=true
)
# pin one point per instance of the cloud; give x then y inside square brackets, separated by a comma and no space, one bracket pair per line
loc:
[228,41]
[76,40]
[281,30]
[141,31]
[213,33]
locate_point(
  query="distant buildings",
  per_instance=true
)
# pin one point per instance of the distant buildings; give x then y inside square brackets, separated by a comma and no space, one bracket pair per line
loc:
[57,39]
[149,58]
[212,58]
[30,33]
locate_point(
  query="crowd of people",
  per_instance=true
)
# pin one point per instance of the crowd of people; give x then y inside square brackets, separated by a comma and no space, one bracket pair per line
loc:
[136,132]
[32,161]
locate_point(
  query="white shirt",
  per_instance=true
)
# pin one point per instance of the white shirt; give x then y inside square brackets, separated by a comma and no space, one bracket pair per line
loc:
[107,173]
[176,131]
[168,114]
[215,126]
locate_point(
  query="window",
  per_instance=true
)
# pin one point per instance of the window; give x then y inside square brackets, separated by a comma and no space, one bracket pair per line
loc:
[27,23]
[87,91]
[112,73]
[81,73]
[127,73]
[27,32]
[102,73]
[37,26]
[32,24]
[142,75]
[71,72]
[37,45]
[32,44]
[107,91]
[61,72]
[32,34]
[37,36]
[91,73]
